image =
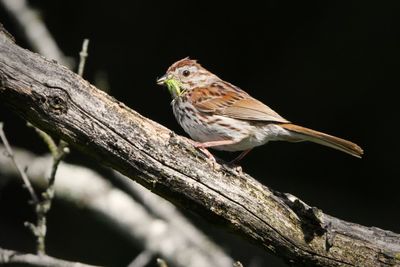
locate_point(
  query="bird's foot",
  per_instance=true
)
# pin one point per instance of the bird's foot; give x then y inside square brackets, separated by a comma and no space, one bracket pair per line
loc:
[233,166]
[210,158]
[205,151]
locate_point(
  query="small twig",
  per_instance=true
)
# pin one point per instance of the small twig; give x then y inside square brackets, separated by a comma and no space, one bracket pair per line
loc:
[44,206]
[237,264]
[46,138]
[21,171]
[83,55]
[161,263]
[41,207]
[142,259]
[15,258]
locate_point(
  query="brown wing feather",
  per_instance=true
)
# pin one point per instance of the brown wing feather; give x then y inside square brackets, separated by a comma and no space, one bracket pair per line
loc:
[232,102]
[252,109]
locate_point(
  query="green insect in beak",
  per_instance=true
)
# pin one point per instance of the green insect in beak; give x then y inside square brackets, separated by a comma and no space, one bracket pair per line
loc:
[173,85]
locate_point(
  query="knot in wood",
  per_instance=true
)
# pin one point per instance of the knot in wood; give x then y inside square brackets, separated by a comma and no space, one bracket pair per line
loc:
[57,102]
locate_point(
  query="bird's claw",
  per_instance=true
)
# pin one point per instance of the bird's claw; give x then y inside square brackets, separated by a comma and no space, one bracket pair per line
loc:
[210,158]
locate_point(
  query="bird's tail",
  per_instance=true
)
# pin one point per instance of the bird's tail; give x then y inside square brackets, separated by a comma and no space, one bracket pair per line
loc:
[305,134]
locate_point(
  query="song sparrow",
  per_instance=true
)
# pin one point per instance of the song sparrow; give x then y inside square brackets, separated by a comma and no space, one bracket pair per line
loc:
[219,115]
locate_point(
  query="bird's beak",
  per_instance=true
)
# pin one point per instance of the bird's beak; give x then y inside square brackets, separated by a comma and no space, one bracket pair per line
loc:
[162,80]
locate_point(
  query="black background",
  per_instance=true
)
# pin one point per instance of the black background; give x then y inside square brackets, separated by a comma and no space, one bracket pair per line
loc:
[328,65]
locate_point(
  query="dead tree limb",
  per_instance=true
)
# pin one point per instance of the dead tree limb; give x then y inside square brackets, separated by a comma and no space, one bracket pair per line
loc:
[63,104]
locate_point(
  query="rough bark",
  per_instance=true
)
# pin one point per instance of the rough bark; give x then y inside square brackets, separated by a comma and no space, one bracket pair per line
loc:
[61,103]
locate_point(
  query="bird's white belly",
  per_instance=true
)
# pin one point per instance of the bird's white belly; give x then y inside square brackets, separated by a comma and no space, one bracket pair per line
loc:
[246,134]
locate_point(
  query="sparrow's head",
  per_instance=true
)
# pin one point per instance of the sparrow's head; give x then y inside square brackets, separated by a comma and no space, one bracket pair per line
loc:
[186,74]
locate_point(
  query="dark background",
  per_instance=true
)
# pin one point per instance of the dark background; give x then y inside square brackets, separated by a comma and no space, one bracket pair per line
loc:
[328,65]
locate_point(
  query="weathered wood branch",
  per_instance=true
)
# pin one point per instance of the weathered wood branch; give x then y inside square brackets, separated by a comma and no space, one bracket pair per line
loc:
[61,103]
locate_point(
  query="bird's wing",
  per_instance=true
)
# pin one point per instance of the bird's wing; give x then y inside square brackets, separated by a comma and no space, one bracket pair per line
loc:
[228,100]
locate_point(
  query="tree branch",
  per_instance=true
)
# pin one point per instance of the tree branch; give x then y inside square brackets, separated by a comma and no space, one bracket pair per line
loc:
[60,102]
[21,259]
[21,171]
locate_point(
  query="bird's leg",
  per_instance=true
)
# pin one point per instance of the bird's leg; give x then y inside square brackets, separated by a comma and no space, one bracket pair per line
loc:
[215,143]
[203,150]
[203,146]
[240,157]
[207,153]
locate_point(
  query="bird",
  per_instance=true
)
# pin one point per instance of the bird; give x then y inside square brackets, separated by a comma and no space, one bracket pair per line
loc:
[219,115]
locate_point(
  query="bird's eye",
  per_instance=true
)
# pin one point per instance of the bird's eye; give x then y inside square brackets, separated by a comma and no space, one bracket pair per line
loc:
[186,73]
